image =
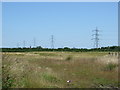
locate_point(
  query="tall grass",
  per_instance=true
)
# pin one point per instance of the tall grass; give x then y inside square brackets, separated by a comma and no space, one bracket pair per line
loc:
[32,70]
[110,66]
[68,58]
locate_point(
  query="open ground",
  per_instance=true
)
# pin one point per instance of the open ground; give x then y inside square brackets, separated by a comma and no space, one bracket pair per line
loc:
[59,70]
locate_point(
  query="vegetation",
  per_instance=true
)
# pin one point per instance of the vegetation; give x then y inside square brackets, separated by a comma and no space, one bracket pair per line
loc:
[54,69]
[39,48]
[69,58]
[110,66]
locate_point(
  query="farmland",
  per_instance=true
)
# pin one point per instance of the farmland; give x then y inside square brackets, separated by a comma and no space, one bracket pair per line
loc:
[54,69]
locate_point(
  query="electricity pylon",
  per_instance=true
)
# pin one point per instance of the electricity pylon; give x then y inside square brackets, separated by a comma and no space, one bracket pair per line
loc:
[52,41]
[96,38]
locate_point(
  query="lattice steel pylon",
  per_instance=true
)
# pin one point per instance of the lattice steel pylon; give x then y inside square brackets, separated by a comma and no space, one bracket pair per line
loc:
[34,42]
[96,38]
[52,42]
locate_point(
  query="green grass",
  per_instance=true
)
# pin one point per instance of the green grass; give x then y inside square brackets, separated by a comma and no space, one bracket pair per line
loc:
[49,77]
[110,66]
[104,82]
[53,69]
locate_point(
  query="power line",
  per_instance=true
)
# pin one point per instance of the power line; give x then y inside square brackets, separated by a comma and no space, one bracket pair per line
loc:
[96,38]
[52,41]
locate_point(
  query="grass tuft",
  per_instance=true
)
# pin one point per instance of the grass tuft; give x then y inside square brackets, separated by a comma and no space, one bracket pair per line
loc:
[49,77]
[110,66]
[69,58]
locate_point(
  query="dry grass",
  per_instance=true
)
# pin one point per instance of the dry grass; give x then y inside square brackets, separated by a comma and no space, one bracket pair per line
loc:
[53,69]
[0,70]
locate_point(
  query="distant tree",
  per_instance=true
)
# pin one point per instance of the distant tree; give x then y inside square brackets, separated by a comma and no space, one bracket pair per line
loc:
[66,48]
[39,47]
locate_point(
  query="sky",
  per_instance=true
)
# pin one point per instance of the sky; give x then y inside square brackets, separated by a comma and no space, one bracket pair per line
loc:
[71,24]
[0,25]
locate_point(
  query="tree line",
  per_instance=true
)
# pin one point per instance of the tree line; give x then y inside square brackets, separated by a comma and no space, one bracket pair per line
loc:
[39,48]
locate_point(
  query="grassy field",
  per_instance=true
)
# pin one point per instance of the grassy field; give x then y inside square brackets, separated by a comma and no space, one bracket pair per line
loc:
[54,69]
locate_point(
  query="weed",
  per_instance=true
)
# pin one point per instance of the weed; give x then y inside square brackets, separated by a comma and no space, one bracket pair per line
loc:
[110,66]
[104,83]
[83,70]
[69,58]
[7,81]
